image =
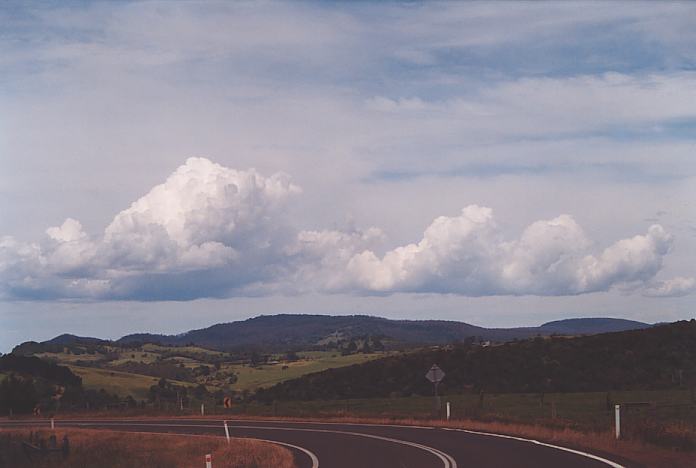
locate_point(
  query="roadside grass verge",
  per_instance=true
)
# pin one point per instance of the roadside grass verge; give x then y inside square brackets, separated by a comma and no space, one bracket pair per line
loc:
[109,449]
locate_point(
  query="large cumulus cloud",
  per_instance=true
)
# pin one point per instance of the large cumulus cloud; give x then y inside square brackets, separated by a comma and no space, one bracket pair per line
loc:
[211,231]
[468,255]
[206,231]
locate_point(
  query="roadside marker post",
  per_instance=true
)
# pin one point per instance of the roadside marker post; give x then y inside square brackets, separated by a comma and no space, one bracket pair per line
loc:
[53,425]
[448,411]
[208,461]
[617,420]
[202,409]
[227,432]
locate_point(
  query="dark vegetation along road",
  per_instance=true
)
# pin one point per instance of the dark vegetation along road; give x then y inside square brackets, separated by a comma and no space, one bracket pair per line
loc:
[342,445]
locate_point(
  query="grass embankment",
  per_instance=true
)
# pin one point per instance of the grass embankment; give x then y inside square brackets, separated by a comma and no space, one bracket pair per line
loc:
[106,449]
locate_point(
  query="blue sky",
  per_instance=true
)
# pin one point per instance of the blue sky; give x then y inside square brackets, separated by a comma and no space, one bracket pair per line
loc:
[497,163]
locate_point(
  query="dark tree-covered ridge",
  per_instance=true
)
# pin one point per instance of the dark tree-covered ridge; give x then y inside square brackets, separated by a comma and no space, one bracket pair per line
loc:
[660,357]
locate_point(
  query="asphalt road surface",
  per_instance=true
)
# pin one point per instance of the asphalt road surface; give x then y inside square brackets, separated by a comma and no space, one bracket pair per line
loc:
[342,445]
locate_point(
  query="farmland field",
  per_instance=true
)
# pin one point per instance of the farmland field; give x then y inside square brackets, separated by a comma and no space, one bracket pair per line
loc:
[250,378]
[110,364]
[120,383]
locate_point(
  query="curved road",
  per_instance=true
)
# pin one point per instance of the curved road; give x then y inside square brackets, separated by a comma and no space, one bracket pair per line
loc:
[344,445]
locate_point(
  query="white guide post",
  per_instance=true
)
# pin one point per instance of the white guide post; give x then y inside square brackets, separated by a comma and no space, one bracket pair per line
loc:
[202,409]
[227,432]
[53,424]
[617,420]
[208,461]
[448,411]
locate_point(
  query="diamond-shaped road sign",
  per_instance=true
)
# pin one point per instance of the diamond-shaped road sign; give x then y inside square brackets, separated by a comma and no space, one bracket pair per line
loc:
[435,374]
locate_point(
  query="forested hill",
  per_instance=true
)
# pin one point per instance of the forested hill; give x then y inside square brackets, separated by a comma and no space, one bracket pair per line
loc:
[280,332]
[659,357]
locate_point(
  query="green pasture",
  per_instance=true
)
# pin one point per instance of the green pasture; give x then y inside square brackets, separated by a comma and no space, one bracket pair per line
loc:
[120,383]
[250,378]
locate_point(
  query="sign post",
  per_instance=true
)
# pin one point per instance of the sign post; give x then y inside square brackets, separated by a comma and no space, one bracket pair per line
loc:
[435,375]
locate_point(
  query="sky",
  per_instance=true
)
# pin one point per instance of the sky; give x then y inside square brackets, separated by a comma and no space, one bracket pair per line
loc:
[166,166]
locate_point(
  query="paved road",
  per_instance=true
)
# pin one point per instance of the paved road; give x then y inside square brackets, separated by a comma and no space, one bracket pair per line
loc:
[341,445]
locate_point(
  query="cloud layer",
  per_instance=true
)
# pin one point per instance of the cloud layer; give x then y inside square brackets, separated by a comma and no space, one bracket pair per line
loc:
[211,231]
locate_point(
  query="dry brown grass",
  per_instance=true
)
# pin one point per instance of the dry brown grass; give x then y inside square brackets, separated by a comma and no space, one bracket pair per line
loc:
[110,449]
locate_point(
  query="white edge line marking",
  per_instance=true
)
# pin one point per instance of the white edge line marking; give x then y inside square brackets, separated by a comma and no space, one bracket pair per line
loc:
[315,460]
[447,460]
[558,447]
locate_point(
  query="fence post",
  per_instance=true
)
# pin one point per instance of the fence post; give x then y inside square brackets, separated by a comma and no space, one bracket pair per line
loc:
[227,432]
[449,413]
[208,461]
[617,420]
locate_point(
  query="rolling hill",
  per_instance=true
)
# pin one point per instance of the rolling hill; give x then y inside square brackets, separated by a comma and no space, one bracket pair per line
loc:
[283,332]
[659,357]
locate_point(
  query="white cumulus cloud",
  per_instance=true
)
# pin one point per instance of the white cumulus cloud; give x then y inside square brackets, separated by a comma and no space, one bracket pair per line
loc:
[206,230]
[468,255]
[212,231]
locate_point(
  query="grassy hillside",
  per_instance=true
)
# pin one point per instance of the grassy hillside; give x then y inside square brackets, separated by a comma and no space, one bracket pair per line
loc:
[251,378]
[119,383]
[132,370]
[657,358]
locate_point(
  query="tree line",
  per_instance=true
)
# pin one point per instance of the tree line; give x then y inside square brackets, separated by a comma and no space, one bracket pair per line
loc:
[656,358]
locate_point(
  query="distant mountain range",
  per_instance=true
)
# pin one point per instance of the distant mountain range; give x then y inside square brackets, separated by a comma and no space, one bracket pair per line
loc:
[285,332]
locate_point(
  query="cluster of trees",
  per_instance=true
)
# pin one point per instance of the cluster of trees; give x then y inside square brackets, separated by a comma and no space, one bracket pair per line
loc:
[654,358]
[30,382]
[169,394]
